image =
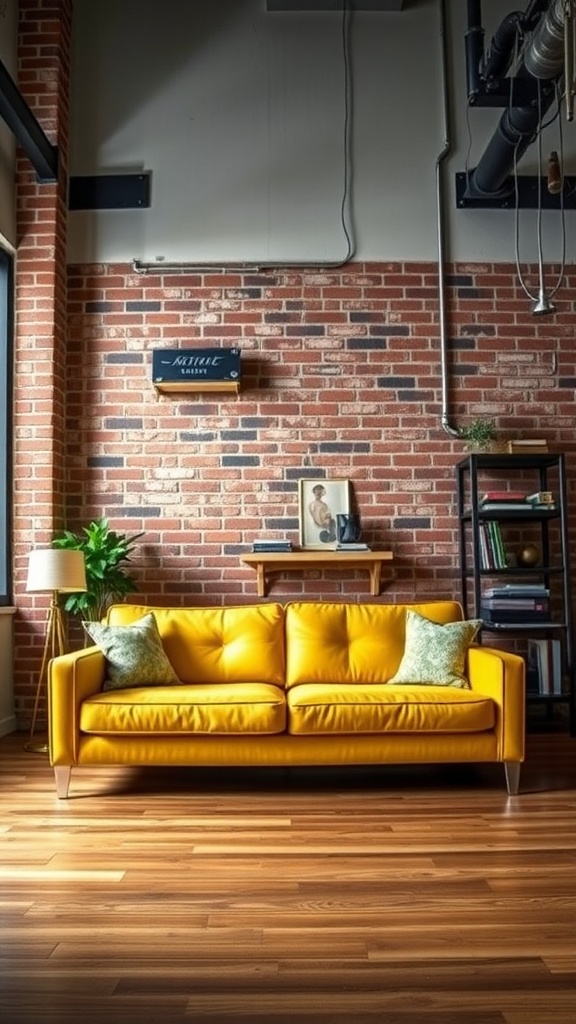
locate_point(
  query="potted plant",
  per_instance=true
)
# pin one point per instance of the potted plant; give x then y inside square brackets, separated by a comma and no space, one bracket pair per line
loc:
[479,435]
[106,554]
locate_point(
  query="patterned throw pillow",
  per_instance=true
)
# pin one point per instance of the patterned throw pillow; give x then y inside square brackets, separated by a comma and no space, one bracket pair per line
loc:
[134,653]
[435,654]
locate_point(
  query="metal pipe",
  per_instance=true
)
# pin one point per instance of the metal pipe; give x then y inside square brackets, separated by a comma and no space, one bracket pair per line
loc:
[474,41]
[445,420]
[543,59]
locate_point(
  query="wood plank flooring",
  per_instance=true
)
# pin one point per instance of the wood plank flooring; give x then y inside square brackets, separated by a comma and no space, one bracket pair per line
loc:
[367,896]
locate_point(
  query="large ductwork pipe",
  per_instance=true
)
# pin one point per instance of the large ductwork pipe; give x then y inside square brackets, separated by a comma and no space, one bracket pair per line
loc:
[543,59]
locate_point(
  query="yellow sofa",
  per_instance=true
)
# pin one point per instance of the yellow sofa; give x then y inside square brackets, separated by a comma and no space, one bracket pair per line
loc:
[301,684]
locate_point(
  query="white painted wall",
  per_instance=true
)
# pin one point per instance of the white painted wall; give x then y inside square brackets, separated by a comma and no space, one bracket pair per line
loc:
[239,115]
[8,26]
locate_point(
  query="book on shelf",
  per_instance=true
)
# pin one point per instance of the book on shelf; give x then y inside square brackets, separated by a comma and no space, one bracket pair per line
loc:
[354,545]
[269,544]
[514,616]
[492,553]
[497,496]
[507,506]
[541,498]
[528,446]
[544,666]
[518,590]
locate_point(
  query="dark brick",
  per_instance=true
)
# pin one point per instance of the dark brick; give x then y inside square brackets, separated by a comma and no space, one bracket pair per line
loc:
[123,423]
[105,461]
[343,446]
[306,330]
[199,435]
[357,344]
[416,396]
[396,382]
[142,306]
[99,307]
[459,280]
[239,435]
[240,460]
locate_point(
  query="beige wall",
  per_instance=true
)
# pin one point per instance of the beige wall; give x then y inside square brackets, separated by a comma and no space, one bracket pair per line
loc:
[238,114]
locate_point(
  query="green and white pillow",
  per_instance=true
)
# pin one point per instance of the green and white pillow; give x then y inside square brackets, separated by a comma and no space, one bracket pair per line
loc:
[135,655]
[435,655]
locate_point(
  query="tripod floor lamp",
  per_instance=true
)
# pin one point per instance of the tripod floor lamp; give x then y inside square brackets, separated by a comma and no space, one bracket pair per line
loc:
[55,572]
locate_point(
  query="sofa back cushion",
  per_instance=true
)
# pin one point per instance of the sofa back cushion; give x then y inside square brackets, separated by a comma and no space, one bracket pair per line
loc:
[348,643]
[217,645]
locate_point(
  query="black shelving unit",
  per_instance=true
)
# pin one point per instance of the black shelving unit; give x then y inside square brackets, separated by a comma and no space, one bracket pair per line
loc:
[488,471]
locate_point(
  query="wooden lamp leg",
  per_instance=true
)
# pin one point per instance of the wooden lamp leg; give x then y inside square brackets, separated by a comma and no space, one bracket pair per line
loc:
[53,647]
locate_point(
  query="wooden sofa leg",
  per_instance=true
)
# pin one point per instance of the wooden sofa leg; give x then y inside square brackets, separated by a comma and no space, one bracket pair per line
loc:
[512,770]
[62,775]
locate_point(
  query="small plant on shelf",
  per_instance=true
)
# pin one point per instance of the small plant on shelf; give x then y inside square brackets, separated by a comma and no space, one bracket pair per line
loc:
[479,435]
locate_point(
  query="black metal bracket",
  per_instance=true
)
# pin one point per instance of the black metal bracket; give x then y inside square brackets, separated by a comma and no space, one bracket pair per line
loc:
[109,192]
[533,194]
[17,114]
[507,92]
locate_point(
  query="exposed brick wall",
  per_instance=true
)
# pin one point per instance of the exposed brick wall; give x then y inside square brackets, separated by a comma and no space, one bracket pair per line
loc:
[341,376]
[39,454]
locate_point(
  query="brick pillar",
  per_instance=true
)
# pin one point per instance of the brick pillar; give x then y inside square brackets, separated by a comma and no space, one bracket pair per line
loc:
[40,333]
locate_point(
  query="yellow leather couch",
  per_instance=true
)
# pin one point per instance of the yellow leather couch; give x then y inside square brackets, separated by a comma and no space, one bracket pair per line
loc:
[301,684]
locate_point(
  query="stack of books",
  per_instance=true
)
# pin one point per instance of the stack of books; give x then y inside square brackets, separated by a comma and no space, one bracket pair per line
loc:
[528,446]
[543,501]
[269,544]
[516,603]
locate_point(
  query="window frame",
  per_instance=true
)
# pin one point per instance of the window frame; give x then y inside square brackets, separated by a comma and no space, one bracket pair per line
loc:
[6,432]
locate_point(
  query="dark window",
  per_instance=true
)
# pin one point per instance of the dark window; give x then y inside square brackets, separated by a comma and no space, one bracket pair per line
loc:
[6,328]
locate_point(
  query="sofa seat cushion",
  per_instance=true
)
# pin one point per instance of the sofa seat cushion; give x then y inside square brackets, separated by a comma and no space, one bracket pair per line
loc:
[214,708]
[317,708]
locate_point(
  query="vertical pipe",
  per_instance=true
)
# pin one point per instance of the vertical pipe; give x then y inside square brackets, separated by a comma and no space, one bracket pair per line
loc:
[440,226]
[474,40]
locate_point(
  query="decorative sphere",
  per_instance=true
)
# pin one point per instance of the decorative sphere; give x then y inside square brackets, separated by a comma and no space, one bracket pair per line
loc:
[529,554]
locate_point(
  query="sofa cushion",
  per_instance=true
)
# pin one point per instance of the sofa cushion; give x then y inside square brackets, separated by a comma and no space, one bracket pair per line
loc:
[217,709]
[435,654]
[351,643]
[317,708]
[134,654]
[218,645]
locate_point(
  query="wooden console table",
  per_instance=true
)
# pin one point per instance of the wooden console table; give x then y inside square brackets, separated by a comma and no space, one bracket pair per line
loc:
[267,562]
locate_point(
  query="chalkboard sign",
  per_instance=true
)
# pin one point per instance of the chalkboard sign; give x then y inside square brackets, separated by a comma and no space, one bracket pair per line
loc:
[196,369]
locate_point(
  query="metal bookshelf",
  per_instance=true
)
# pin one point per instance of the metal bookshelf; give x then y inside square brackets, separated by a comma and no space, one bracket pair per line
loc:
[480,472]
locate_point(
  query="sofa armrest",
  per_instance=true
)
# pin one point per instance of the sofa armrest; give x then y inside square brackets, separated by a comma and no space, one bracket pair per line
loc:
[71,679]
[501,676]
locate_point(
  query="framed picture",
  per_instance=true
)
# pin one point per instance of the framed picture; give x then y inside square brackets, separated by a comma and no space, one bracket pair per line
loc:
[319,502]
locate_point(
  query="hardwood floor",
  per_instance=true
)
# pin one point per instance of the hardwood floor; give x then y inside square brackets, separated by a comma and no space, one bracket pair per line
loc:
[369,896]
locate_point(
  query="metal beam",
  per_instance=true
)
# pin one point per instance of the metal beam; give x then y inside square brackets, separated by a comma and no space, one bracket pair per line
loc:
[17,114]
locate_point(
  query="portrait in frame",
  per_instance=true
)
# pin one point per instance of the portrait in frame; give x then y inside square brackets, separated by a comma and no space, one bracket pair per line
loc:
[319,502]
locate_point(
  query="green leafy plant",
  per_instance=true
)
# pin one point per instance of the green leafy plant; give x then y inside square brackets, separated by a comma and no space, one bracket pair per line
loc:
[106,554]
[480,434]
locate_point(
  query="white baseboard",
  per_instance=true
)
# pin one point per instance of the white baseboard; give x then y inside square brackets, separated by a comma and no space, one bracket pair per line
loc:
[8,725]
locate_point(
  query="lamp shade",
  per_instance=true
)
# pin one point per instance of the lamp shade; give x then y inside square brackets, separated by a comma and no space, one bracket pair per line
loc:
[52,569]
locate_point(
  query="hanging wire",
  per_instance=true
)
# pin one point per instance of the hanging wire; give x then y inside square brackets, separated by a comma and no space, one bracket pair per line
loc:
[541,127]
